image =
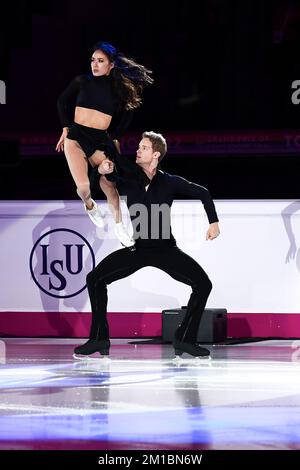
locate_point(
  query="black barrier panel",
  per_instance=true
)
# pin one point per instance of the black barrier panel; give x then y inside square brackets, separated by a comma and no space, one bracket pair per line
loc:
[212,329]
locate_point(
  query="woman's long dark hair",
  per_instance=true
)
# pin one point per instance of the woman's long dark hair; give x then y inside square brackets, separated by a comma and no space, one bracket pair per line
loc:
[129,77]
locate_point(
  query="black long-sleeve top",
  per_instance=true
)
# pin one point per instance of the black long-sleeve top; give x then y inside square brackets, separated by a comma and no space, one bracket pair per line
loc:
[88,91]
[150,209]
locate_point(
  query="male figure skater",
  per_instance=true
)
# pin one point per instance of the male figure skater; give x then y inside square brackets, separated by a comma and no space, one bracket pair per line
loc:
[147,188]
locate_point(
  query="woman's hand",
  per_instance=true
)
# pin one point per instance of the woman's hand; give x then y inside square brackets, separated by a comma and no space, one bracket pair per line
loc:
[60,144]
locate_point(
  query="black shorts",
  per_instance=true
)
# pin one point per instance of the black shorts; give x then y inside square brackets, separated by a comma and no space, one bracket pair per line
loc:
[91,139]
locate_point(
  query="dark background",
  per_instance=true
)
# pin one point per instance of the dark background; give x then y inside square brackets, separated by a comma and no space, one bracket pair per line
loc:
[221,66]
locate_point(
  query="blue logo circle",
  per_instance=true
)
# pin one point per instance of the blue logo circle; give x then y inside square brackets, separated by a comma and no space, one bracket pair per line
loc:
[63,258]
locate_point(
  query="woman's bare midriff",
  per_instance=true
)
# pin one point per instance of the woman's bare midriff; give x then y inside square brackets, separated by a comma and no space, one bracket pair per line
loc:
[92,118]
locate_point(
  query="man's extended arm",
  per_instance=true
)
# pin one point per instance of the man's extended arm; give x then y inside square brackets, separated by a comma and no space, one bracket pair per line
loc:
[186,188]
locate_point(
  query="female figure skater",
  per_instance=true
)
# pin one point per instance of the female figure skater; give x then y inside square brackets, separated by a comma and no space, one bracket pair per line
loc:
[111,92]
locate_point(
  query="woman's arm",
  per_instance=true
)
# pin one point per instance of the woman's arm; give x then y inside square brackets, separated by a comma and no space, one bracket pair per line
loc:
[65,102]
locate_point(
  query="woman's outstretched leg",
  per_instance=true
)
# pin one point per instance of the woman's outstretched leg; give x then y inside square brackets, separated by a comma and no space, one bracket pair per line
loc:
[113,199]
[78,166]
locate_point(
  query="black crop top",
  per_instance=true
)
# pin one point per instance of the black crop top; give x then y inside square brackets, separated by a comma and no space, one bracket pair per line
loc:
[93,93]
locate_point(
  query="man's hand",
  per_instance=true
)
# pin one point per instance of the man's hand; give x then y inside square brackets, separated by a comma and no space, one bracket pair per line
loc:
[213,231]
[106,167]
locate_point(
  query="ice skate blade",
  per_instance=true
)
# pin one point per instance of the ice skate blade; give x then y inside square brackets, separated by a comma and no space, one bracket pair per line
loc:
[80,357]
[192,360]
[130,248]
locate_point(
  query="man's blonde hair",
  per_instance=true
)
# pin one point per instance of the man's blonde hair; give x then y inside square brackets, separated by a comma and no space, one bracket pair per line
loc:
[158,142]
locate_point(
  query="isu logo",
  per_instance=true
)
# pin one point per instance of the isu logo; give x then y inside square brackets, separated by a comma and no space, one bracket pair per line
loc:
[60,261]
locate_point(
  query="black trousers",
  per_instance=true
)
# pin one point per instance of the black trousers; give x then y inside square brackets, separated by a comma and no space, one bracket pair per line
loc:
[124,262]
